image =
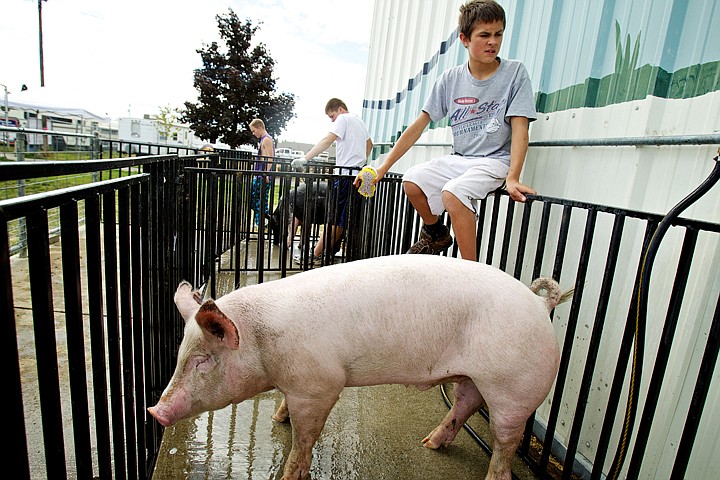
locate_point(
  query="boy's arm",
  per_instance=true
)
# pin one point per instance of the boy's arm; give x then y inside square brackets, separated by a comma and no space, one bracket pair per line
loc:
[321,146]
[403,144]
[518,150]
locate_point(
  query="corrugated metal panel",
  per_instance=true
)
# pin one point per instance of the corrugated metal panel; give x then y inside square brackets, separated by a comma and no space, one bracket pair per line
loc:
[578,54]
[600,69]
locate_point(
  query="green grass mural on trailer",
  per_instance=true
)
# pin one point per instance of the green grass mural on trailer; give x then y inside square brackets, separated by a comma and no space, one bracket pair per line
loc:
[629,83]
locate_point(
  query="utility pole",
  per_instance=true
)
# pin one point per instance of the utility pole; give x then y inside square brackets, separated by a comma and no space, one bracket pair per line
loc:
[42,63]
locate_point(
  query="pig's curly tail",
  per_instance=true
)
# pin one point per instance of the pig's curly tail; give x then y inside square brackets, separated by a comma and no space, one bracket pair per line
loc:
[554,295]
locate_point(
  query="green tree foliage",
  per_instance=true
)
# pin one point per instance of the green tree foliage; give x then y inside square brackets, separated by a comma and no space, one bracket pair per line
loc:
[166,121]
[235,85]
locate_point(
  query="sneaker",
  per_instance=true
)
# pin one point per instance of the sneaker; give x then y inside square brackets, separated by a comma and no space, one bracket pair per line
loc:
[315,261]
[430,245]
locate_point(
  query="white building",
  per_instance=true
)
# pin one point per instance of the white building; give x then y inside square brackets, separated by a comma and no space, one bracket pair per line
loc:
[57,119]
[150,129]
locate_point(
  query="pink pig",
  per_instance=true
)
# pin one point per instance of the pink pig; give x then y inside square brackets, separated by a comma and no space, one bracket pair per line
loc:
[418,320]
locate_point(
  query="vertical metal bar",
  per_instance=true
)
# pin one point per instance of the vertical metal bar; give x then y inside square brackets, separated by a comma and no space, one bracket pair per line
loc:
[493,231]
[45,343]
[706,374]
[481,214]
[541,240]
[571,323]
[113,332]
[507,234]
[219,215]
[237,196]
[594,346]
[663,353]
[97,334]
[522,239]
[126,334]
[259,245]
[622,363]
[16,451]
[579,287]
[75,338]
[154,357]
[138,328]
[562,242]
[210,225]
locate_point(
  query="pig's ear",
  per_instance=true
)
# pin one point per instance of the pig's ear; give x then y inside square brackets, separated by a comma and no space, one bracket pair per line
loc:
[186,300]
[216,326]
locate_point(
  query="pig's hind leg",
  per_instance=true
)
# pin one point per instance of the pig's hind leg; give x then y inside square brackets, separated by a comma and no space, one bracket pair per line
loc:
[307,417]
[507,434]
[467,401]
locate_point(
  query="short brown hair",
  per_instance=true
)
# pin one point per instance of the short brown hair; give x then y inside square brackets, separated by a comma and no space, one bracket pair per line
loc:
[256,122]
[484,11]
[334,104]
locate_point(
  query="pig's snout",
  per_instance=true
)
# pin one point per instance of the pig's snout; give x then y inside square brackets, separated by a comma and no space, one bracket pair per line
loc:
[156,412]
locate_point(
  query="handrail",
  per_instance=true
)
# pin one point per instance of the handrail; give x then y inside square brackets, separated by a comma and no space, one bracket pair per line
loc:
[702,139]
[40,131]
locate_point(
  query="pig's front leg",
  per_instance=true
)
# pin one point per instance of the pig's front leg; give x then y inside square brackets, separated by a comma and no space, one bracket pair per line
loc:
[282,412]
[307,416]
[467,401]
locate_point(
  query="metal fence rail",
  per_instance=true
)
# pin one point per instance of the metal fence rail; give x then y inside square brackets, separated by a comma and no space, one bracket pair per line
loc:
[95,332]
[171,218]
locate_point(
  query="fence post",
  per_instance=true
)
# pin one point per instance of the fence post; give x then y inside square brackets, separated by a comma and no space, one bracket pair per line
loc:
[96,153]
[20,148]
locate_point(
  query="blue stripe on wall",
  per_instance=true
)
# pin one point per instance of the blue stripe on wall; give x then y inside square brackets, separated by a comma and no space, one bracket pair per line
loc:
[417,80]
[676,24]
[517,28]
[551,44]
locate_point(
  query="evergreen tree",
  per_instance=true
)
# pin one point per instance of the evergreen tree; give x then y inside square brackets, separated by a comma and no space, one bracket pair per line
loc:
[236,86]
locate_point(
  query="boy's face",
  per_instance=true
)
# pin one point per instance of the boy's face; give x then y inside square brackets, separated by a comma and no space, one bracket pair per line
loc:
[484,43]
[333,114]
[255,131]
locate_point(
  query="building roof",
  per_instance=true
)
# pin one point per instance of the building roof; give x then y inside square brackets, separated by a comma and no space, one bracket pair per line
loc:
[78,112]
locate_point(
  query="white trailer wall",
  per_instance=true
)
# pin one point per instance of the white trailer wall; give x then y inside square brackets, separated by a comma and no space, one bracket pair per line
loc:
[600,69]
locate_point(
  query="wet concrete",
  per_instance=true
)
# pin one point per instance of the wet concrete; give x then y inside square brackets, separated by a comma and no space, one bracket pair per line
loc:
[372,433]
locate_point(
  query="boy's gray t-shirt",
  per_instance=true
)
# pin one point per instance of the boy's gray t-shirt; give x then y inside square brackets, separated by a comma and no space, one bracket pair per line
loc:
[478,111]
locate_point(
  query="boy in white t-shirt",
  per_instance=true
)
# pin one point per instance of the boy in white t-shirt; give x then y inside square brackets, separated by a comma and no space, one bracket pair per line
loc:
[489,104]
[352,148]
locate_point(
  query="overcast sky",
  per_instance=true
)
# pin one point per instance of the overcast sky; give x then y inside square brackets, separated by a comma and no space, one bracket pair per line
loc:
[131,57]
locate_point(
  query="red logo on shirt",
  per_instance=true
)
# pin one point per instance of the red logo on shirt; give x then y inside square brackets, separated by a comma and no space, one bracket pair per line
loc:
[466,100]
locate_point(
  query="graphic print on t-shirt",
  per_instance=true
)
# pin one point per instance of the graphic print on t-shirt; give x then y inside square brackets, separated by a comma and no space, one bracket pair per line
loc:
[472,119]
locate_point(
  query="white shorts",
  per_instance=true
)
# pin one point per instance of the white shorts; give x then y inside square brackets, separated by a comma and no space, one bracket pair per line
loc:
[468,178]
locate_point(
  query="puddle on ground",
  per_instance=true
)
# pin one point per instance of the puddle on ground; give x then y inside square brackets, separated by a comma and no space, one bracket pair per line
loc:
[372,433]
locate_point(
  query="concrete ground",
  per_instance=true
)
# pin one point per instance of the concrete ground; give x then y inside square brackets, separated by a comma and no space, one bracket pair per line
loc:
[372,433]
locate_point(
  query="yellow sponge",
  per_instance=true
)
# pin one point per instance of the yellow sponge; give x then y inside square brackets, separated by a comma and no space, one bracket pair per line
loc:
[367,175]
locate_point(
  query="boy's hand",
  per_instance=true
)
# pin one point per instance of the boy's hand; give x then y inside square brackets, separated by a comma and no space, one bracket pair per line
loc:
[367,178]
[516,190]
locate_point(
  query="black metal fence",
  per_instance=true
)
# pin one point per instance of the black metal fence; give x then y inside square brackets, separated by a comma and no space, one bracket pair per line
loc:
[95,343]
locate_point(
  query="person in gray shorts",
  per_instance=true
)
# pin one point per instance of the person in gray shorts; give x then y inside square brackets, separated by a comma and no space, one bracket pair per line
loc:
[489,104]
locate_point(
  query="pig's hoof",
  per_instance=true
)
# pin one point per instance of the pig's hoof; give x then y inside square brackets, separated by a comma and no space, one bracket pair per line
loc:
[428,443]
[280,418]
[438,438]
[282,412]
